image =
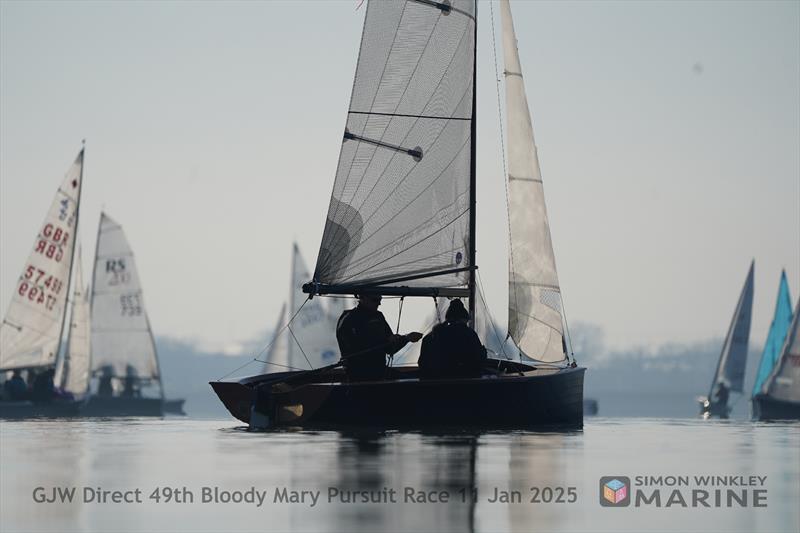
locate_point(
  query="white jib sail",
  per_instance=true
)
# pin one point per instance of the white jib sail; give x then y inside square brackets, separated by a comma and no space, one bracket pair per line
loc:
[534,305]
[72,372]
[784,383]
[30,335]
[122,342]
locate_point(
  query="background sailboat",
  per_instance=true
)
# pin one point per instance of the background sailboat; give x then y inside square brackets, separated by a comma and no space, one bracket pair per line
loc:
[776,337]
[32,329]
[729,376]
[309,341]
[779,397]
[124,358]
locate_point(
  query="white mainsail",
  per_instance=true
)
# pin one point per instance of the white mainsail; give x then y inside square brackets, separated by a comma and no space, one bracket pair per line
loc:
[72,371]
[534,300]
[122,341]
[784,383]
[30,335]
[733,358]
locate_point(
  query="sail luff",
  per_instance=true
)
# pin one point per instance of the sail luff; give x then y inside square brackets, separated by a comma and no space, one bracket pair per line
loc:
[472,174]
[781,321]
[277,359]
[32,329]
[534,303]
[733,358]
[72,255]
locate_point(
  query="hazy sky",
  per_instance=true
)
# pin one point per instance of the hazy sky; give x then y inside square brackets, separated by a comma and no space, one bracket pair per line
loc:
[668,135]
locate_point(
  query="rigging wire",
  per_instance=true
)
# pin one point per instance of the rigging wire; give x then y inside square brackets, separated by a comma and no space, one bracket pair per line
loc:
[268,346]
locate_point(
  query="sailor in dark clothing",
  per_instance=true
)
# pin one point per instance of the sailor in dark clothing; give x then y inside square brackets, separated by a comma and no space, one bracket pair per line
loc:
[43,389]
[365,339]
[452,349]
[16,389]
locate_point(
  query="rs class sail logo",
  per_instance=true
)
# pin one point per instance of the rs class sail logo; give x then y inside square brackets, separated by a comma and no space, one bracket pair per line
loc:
[615,491]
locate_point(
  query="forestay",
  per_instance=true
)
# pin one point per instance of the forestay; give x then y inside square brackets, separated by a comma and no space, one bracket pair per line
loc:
[784,383]
[534,300]
[30,335]
[72,371]
[400,202]
[732,360]
[776,336]
[122,341]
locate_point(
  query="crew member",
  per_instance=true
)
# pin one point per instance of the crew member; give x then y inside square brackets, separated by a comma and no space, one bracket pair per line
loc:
[365,339]
[452,348]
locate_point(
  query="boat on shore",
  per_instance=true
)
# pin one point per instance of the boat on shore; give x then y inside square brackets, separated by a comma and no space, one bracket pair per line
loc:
[729,375]
[33,327]
[402,222]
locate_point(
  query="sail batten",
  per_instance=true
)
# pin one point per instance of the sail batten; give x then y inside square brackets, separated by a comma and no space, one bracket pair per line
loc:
[31,331]
[535,316]
[403,178]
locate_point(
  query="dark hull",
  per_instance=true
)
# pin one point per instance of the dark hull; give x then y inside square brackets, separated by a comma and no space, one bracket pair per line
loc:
[107,406]
[539,397]
[767,408]
[25,409]
[174,407]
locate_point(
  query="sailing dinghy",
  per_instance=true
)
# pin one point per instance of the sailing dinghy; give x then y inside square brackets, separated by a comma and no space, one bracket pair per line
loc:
[124,358]
[401,222]
[32,329]
[729,376]
[776,392]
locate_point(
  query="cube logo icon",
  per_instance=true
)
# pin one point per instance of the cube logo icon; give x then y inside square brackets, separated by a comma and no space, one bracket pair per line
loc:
[614,491]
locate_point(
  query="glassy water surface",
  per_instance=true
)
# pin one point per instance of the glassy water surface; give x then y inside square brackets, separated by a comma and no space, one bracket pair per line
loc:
[396,481]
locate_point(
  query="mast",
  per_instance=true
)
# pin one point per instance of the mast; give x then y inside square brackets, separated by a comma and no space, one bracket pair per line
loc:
[472,173]
[72,256]
[92,294]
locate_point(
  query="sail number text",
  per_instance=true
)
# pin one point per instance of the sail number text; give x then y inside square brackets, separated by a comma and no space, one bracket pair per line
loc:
[40,287]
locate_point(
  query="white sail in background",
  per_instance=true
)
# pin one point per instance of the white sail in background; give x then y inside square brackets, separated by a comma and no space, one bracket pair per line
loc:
[122,341]
[72,371]
[277,357]
[733,359]
[784,383]
[30,335]
[534,305]
[310,339]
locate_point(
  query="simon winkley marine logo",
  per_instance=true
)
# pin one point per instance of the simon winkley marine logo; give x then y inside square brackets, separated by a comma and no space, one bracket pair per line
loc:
[615,491]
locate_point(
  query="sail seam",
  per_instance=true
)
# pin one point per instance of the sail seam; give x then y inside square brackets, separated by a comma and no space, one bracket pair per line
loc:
[432,117]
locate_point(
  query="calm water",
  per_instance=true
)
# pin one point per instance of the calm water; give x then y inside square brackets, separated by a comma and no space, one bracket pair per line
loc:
[183,456]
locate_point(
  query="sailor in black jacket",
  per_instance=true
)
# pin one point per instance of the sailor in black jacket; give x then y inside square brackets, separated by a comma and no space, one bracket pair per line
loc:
[365,339]
[452,349]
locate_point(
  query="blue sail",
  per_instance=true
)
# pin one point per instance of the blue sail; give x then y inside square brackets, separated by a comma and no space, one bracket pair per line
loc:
[777,335]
